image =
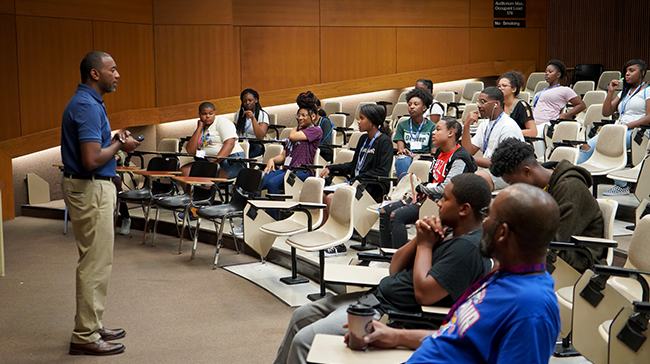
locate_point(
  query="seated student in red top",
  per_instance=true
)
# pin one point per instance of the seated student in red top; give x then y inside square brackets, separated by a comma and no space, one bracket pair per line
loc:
[450,159]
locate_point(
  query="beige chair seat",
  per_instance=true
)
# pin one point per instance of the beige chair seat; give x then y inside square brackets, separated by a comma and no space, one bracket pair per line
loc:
[627,175]
[284,227]
[630,289]
[603,329]
[313,241]
[597,168]
[565,296]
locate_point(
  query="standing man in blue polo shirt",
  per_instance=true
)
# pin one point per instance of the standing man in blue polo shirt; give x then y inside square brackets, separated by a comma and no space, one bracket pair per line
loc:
[88,155]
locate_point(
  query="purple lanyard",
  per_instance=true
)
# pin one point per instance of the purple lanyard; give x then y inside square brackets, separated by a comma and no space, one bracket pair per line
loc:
[488,279]
[540,94]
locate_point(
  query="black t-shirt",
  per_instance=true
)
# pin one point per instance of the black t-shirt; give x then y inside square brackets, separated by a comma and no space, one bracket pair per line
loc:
[521,113]
[457,264]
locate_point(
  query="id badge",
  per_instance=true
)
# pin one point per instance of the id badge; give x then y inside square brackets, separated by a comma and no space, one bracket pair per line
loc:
[416,145]
[200,153]
[287,161]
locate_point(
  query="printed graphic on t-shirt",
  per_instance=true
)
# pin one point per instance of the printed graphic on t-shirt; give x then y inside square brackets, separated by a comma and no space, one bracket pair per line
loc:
[206,139]
[422,139]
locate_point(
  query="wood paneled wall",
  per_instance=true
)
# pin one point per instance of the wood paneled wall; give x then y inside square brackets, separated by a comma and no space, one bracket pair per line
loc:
[180,53]
[598,31]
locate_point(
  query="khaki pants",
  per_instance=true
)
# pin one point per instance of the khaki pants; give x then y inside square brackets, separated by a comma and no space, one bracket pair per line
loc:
[91,204]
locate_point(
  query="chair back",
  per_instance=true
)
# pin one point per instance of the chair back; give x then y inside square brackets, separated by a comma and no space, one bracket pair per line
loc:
[470,89]
[338,120]
[332,107]
[607,77]
[643,182]
[354,139]
[400,109]
[429,208]
[569,153]
[339,224]
[356,113]
[312,191]
[420,169]
[638,151]
[271,151]
[611,142]
[284,134]
[594,113]
[582,87]
[162,187]
[540,86]
[344,156]
[468,109]
[639,252]
[250,180]
[533,79]
[204,168]
[169,145]
[523,95]
[589,72]
[445,97]
[402,97]
[594,97]
[608,209]
[566,130]
[273,119]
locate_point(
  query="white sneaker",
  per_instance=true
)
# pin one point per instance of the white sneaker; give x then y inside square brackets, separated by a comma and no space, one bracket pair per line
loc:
[126,226]
[617,191]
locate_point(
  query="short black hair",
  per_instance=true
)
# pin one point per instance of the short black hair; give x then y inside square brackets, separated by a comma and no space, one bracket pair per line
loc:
[92,60]
[206,105]
[427,83]
[559,66]
[509,156]
[494,93]
[453,124]
[472,189]
[423,94]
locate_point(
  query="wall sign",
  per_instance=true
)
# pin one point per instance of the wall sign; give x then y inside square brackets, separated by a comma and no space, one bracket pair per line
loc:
[510,9]
[509,23]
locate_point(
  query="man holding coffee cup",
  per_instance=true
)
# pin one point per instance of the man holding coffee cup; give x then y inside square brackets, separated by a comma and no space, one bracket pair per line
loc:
[433,268]
[512,314]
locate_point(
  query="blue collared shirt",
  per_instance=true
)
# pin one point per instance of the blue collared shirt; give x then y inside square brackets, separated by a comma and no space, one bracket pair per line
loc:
[85,120]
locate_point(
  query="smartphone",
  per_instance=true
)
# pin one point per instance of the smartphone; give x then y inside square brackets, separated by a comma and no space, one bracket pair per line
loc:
[140,138]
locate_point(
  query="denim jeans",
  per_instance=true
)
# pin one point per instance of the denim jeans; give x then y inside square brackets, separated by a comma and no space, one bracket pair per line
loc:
[402,164]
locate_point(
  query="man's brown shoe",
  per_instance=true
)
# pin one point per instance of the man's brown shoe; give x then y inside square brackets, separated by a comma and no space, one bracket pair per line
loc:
[99,347]
[108,334]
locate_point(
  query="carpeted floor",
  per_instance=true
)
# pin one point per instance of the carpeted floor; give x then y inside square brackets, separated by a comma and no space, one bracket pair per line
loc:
[174,310]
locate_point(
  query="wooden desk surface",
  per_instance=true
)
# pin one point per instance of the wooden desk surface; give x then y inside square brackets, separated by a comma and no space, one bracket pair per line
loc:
[158,173]
[355,275]
[198,181]
[127,168]
[330,349]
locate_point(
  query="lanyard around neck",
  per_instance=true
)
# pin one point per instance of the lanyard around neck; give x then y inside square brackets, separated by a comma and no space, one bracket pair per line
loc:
[486,136]
[629,96]
[539,94]
[362,159]
[424,120]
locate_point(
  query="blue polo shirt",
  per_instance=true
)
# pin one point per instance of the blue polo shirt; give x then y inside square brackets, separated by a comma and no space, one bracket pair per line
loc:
[85,120]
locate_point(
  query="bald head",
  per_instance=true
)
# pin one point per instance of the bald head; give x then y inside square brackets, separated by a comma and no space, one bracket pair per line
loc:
[533,214]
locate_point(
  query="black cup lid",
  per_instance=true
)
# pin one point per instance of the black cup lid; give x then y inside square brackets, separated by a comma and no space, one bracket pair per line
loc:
[360,309]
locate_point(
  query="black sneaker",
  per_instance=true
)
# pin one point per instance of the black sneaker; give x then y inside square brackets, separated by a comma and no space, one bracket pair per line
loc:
[336,250]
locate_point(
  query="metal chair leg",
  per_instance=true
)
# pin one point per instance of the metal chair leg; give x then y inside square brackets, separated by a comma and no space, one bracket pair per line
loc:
[185,217]
[234,236]
[219,237]
[155,227]
[146,222]
[196,237]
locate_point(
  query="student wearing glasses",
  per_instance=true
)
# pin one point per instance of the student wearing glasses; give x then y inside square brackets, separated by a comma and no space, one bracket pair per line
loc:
[511,83]
[490,133]
[301,147]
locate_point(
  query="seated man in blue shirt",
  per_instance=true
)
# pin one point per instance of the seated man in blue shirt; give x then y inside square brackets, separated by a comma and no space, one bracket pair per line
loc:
[512,314]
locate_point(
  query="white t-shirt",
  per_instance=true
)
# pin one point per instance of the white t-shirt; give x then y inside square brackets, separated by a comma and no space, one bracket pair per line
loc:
[212,139]
[435,109]
[550,102]
[505,128]
[249,131]
[634,106]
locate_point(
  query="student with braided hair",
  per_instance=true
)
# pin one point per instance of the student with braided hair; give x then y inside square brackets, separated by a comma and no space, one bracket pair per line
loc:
[251,120]
[299,149]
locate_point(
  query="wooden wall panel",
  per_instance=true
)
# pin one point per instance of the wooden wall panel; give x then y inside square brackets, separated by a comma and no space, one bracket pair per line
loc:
[274,58]
[194,63]
[131,46]
[7,7]
[276,13]
[598,31]
[197,12]
[489,44]
[9,100]
[49,54]
[425,48]
[399,13]
[482,13]
[131,11]
[348,53]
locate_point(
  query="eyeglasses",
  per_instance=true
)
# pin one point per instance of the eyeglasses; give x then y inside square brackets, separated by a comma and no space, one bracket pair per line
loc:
[298,116]
[503,86]
[483,102]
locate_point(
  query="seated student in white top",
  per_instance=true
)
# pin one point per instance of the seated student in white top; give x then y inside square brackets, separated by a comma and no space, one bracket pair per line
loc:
[548,103]
[633,105]
[215,138]
[489,133]
[435,111]
[251,120]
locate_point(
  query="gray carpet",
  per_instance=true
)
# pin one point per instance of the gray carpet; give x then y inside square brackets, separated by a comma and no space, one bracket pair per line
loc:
[174,310]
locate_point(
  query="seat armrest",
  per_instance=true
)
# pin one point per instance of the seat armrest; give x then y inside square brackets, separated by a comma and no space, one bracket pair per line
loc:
[312,166]
[384,103]
[456,104]
[591,242]
[618,271]
[533,139]
[374,257]
[312,205]
[642,307]
[278,197]
[603,122]
[570,143]
[342,128]
[341,113]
